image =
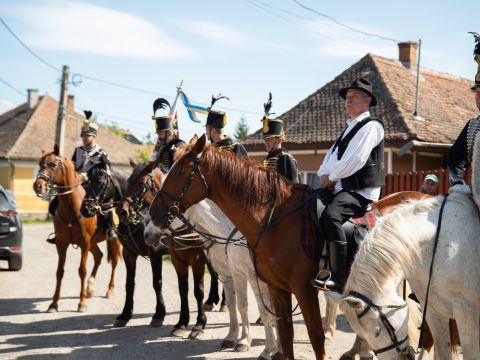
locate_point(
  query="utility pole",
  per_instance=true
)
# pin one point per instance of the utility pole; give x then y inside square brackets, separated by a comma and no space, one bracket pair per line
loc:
[62,110]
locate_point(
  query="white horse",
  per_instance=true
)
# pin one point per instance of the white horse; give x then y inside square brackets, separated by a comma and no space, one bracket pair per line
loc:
[235,270]
[401,246]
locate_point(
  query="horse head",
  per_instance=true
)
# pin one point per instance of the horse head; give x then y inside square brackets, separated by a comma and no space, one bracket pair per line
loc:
[142,184]
[184,185]
[50,174]
[100,192]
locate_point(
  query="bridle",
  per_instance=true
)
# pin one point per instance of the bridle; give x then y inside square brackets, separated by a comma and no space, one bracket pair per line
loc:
[177,207]
[386,323]
[99,202]
[135,203]
[50,176]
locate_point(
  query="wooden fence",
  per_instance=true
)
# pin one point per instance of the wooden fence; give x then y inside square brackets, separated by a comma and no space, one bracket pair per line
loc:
[412,181]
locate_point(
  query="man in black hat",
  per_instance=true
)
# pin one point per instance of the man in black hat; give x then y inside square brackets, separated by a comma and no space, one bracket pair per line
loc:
[167,131]
[214,129]
[460,154]
[353,170]
[86,157]
[278,158]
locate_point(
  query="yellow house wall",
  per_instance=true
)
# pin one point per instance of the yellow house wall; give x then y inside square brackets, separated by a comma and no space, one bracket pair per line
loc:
[22,188]
[5,176]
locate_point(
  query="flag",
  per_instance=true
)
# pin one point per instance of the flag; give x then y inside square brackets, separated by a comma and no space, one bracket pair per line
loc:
[192,109]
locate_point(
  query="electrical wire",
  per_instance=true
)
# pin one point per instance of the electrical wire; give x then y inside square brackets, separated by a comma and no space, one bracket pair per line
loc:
[13,88]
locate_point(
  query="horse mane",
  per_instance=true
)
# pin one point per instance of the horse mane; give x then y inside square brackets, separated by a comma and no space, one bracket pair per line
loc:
[244,180]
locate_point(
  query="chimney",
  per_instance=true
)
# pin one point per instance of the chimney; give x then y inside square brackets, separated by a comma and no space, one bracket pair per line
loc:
[70,103]
[32,98]
[408,54]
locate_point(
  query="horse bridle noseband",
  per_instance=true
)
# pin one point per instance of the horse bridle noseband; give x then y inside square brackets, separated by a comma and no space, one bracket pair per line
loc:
[136,202]
[386,323]
[177,207]
[52,188]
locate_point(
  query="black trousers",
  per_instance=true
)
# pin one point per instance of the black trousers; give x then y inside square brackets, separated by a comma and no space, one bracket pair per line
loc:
[343,207]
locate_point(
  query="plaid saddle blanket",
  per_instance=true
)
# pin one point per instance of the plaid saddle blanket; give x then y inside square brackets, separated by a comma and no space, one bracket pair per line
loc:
[311,234]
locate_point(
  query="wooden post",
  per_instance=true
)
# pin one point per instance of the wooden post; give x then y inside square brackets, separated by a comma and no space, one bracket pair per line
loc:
[62,110]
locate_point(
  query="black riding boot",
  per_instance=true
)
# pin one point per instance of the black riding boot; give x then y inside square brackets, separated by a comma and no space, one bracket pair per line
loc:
[52,209]
[335,279]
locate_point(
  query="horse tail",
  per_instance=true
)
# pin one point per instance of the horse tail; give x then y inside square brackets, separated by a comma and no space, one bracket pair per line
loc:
[114,250]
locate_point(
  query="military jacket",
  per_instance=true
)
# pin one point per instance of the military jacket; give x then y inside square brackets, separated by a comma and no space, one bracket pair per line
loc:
[86,158]
[234,147]
[281,161]
[167,153]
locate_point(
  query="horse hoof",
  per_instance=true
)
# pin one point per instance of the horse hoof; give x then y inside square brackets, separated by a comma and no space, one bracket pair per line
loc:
[227,344]
[208,307]
[178,332]
[120,323]
[241,348]
[109,294]
[82,308]
[223,308]
[156,322]
[52,309]
[277,356]
[195,334]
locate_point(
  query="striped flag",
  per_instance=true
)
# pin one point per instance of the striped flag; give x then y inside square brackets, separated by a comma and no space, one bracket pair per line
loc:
[192,109]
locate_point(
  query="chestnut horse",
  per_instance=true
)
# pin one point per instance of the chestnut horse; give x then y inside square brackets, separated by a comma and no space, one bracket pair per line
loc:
[143,183]
[253,199]
[57,176]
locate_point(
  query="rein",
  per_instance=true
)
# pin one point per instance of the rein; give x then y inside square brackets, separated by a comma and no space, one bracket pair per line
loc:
[435,244]
[52,188]
[386,323]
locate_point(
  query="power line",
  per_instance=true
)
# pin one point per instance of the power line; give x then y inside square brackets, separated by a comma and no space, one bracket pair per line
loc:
[351,28]
[108,82]
[13,88]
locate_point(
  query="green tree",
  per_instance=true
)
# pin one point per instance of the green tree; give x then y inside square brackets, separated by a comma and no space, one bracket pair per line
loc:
[241,130]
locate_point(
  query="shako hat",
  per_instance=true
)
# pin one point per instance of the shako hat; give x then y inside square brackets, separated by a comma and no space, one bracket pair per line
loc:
[163,122]
[271,127]
[216,118]
[89,127]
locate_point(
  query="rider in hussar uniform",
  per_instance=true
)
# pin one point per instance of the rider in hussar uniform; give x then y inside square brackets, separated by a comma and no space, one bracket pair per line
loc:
[278,159]
[460,154]
[216,121]
[167,131]
[86,157]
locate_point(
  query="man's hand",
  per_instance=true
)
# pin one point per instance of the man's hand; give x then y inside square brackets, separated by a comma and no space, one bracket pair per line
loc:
[83,177]
[325,182]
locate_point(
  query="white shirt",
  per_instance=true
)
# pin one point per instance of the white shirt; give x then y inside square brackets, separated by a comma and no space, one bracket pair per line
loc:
[355,156]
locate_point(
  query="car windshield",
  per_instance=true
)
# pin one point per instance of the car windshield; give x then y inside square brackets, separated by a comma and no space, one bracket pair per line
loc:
[4,203]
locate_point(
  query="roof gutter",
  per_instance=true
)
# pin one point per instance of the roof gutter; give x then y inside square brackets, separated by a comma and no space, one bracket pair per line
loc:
[415,144]
[12,179]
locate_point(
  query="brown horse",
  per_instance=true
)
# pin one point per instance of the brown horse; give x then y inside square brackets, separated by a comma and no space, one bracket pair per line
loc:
[57,173]
[252,198]
[144,182]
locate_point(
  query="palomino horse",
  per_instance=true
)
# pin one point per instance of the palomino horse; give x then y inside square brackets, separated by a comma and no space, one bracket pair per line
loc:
[142,185]
[102,195]
[402,245]
[58,174]
[253,199]
[229,256]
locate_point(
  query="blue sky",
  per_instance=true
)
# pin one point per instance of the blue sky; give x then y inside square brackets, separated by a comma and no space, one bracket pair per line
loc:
[240,48]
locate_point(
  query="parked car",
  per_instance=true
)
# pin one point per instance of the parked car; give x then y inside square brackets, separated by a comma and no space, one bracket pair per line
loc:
[10,231]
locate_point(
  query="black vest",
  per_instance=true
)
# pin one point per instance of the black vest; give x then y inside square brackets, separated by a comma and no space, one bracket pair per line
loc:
[373,173]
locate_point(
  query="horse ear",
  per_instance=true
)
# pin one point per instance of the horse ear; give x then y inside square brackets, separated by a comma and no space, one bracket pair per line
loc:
[194,139]
[56,149]
[353,302]
[132,162]
[150,166]
[200,144]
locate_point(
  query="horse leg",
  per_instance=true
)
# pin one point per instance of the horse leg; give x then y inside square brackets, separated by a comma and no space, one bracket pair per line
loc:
[181,269]
[229,287]
[223,303]
[241,292]
[97,257]
[156,263]
[62,255]
[114,248]
[466,314]
[282,303]
[198,269]
[264,304]
[331,308]
[131,265]
[441,336]
[360,347]
[213,297]
[307,297]
[82,271]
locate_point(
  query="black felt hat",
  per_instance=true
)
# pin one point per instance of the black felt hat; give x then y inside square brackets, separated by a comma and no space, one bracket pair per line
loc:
[216,118]
[271,127]
[162,122]
[361,84]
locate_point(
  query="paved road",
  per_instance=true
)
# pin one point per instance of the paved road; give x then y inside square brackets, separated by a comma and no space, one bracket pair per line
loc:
[28,332]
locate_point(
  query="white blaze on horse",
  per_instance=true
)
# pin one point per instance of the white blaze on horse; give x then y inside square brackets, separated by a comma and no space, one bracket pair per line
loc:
[401,246]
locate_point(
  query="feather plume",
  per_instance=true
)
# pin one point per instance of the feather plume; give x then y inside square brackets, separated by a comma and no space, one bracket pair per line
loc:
[268,105]
[216,98]
[88,114]
[160,103]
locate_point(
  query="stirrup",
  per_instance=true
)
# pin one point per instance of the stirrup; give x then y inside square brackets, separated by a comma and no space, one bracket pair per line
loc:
[324,275]
[52,239]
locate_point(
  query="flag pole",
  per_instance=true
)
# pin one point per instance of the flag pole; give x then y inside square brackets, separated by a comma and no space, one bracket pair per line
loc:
[173,109]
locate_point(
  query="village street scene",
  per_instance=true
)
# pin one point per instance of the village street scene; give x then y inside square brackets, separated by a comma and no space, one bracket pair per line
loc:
[248,179]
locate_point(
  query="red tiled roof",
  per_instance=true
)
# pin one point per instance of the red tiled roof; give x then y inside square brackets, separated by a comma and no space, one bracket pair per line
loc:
[25,132]
[446,103]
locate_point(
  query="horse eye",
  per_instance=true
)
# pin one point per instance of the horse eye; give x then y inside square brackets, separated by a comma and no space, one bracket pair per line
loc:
[378,331]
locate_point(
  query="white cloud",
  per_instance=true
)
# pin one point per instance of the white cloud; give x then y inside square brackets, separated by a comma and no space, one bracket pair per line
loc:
[217,33]
[81,27]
